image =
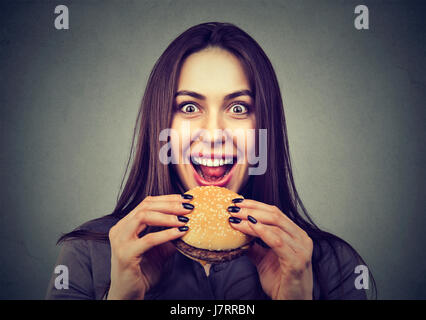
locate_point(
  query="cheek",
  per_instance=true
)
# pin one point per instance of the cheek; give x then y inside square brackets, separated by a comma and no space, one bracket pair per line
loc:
[244,138]
[175,148]
[250,145]
[180,141]
[250,137]
[175,141]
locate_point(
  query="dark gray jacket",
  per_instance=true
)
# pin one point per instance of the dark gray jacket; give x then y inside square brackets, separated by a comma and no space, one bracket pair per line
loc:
[89,262]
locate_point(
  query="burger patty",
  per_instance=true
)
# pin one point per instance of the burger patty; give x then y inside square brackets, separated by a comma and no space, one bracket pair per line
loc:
[212,256]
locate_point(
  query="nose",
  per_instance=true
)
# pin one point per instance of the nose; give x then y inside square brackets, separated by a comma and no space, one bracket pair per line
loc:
[211,129]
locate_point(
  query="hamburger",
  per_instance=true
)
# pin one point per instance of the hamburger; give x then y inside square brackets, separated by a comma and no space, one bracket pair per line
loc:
[210,238]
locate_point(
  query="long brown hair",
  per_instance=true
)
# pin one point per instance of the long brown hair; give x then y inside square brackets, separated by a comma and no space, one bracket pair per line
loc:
[148,176]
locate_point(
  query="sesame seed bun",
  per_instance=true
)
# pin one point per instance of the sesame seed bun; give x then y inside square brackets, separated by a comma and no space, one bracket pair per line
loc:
[210,238]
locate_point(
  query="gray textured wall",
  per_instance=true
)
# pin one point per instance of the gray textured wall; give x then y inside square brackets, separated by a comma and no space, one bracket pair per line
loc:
[355,104]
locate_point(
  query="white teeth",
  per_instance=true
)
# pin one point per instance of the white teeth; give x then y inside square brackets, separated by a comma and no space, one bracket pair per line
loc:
[196,160]
[229,161]
[210,162]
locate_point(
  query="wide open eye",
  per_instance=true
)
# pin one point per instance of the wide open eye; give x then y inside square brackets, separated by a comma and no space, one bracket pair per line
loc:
[238,108]
[189,108]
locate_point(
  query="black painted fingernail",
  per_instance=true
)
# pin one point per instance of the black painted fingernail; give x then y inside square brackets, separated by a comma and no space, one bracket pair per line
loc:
[234,220]
[234,209]
[187,196]
[237,200]
[188,206]
[183,228]
[251,219]
[183,219]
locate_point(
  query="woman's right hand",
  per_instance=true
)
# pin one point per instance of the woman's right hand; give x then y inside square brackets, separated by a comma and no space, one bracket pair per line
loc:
[137,263]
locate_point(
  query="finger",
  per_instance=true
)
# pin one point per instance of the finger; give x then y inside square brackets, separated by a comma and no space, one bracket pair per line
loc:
[249,203]
[158,219]
[177,207]
[133,223]
[155,218]
[268,215]
[276,239]
[165,198]
[256,252]
[269,234]
[168,197]
[156,238]
[243,226]
[303,245]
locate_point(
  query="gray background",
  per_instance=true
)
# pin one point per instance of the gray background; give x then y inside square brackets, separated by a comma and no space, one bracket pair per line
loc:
[355,106]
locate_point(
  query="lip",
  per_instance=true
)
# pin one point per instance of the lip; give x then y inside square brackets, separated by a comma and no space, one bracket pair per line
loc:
[219,183]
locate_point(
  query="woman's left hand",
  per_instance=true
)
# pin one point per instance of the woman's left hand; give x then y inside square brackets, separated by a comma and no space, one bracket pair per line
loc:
[285,270]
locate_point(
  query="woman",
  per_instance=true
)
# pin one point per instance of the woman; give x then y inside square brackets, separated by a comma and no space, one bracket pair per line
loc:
[212,77]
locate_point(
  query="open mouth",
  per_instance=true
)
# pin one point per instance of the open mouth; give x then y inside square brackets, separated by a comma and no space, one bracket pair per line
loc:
[213,171]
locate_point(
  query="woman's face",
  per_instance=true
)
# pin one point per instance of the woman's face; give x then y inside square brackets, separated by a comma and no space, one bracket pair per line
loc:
[213,114]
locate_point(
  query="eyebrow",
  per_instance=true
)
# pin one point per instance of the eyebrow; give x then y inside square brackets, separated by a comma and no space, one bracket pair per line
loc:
[227,97]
